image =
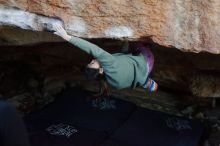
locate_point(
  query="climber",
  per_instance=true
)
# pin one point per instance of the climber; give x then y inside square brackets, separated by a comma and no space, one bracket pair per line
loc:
[119,70]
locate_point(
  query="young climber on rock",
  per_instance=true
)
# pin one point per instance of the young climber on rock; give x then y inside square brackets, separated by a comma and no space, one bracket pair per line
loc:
[120,70]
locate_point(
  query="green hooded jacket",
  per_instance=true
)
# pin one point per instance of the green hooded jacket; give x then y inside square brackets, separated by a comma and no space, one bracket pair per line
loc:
[121,70]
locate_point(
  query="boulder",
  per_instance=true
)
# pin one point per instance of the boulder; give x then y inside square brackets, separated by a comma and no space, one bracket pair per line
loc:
[190,25]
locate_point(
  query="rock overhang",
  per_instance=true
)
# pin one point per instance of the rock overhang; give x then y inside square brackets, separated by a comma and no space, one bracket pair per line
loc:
[191,26]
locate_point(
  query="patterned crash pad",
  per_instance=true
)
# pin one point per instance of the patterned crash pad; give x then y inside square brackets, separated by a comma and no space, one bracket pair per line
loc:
[151,128]
[76,119]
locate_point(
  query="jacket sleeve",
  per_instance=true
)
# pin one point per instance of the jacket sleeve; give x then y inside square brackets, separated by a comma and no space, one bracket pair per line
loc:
[102,56]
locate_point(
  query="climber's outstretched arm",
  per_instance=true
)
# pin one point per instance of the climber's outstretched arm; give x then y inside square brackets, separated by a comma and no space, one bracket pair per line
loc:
[101,55]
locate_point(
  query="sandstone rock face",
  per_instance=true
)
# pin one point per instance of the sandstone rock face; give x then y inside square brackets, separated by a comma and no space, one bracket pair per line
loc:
[189,25]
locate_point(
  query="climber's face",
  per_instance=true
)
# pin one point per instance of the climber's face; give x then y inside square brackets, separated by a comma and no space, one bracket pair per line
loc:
[94,64]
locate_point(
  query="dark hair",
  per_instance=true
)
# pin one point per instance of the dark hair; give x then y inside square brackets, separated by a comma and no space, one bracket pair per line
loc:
[92,73]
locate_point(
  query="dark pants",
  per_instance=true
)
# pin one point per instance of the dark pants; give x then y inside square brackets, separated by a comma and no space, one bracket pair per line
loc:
[12,129]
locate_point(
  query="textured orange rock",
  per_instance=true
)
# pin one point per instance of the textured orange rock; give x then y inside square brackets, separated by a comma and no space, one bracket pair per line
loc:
[189,25]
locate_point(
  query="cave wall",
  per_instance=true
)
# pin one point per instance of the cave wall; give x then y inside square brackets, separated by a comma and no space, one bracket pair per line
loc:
[31,75]
[32,58]
[190,25]
[174,70]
